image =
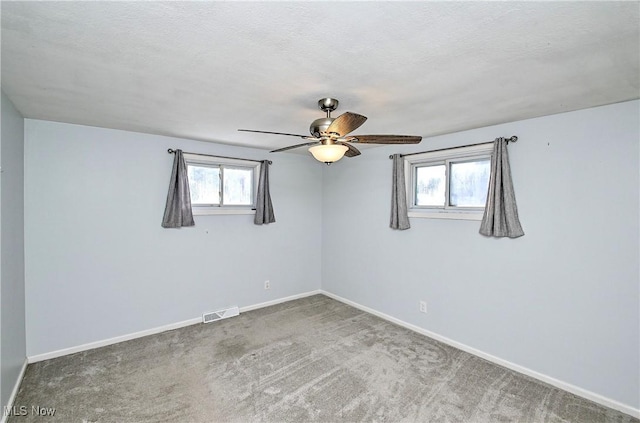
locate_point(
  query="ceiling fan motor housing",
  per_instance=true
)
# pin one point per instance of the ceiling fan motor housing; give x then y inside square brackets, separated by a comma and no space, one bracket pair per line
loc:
[319,126]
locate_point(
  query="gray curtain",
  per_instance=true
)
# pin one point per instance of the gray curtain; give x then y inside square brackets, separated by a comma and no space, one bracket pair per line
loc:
[264,208]
[177,212]
[399,212]
[501,213]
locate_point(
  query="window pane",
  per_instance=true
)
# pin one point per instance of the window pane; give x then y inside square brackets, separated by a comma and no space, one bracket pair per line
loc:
[237,187]
[430,185]
[204,184]
[469,183]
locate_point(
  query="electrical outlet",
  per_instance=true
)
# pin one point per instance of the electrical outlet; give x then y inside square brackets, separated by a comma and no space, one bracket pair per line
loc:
[267,285]
[423,306]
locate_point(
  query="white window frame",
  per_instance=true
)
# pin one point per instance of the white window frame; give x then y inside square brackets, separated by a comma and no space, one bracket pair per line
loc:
[443,157]
[201,210]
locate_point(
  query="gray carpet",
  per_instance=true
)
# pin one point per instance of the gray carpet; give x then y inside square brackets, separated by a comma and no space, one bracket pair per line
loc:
[313,359]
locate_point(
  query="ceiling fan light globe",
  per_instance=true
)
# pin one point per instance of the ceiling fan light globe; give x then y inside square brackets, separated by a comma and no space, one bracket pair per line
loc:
[328,153]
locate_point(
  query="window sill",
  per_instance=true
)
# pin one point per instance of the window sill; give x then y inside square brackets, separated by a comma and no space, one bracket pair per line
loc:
[446,215]
[197,211]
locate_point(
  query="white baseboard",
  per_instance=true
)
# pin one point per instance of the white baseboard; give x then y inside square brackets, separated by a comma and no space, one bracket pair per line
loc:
[279,300]
[597,398]
[153,331]
[16,387]
[110,341]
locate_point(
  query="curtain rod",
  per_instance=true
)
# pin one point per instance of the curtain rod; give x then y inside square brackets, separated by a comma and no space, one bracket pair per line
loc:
[171,151]
[512,139]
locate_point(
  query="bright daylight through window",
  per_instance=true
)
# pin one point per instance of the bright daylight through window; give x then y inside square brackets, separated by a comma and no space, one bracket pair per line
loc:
[450,183]
[221,186]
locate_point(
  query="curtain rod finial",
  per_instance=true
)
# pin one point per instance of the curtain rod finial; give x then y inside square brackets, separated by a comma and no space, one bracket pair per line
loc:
[171,151]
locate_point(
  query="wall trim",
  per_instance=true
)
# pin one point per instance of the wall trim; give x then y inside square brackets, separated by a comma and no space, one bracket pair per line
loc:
[110,341]
[280,300]
[153,331]
[592,396]
[14,393]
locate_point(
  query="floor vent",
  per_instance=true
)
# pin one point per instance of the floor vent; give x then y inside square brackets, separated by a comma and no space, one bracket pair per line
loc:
[219,315]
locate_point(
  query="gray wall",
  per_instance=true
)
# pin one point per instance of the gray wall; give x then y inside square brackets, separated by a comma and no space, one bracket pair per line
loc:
[99,265]
[12,293]
[563,300]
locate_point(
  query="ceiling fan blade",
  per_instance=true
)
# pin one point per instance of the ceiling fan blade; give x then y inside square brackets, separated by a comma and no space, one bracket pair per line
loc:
[386,139]
[352,151]
[293,146]
[274,133]
[346,123]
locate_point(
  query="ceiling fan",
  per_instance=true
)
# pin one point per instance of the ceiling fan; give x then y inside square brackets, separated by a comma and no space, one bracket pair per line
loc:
[329,140]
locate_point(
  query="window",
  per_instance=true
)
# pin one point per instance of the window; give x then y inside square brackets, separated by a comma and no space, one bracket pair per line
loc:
[450,183]
[221,186]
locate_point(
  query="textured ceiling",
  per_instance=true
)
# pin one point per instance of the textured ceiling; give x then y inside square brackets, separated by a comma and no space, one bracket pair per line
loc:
[202,70]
